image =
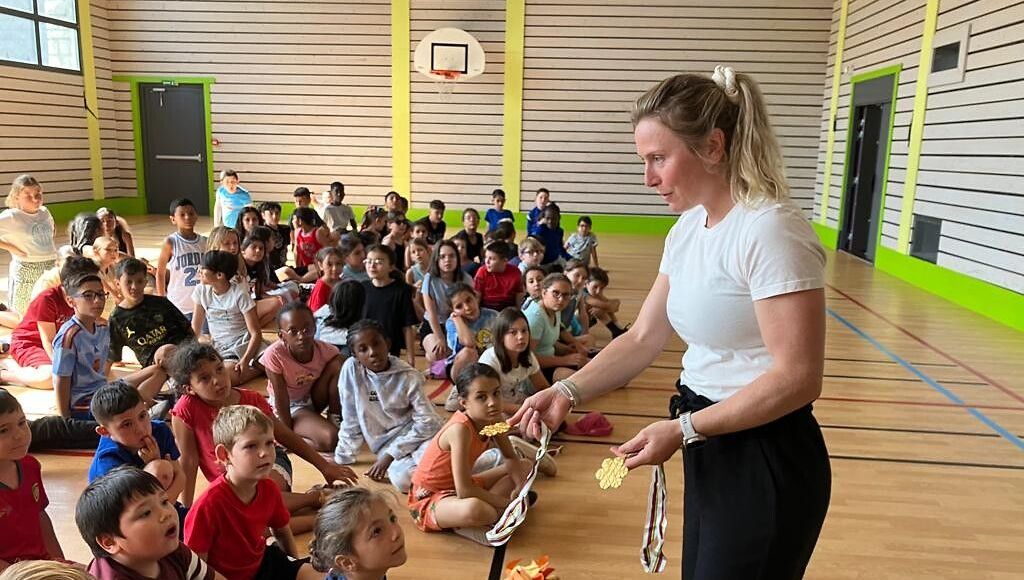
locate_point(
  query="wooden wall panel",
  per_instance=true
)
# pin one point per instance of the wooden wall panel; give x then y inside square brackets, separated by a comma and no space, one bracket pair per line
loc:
[456,141]
[302,93]
[587,60]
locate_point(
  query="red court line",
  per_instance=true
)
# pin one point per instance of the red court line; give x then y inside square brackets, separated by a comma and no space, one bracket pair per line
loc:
[1009,392]
[66,452]
[445,384]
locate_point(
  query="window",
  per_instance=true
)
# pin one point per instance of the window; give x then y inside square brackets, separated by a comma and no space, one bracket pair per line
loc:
[40,34]
[949,55]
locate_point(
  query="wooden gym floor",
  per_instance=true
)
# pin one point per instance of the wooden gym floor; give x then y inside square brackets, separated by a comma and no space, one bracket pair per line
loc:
[922,409]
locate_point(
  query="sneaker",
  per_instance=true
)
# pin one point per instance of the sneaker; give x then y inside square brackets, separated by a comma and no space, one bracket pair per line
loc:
[477,534]
[528,450]
[452,403]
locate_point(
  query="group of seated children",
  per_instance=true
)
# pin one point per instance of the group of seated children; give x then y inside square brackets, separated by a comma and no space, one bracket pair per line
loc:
[344,311]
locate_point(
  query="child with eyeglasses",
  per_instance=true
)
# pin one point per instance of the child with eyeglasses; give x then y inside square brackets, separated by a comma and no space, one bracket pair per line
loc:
[302,374]
[81,349]
[389,301]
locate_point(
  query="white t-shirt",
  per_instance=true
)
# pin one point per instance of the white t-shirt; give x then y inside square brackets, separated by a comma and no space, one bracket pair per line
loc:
[716,274]
[226,314]
[32,232]
[515,384]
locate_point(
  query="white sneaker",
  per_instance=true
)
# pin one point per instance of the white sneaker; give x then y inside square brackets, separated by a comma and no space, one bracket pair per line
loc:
[528,451]
[452,404]
[477,534]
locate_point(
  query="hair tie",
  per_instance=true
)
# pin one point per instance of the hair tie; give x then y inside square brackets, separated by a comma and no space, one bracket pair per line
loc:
[725,78]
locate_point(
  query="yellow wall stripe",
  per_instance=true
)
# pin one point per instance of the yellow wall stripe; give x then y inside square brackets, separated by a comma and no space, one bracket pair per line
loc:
[837,78]
[512,134]
[92,112]
[924,68]
[401,119]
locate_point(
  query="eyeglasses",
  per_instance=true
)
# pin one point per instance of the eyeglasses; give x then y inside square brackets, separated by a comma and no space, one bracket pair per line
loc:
[300,331]
[558,295]
[375,261]
[531,251]
[90,296]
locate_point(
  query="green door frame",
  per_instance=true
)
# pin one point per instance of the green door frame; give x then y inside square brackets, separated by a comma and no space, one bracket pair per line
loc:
[140,172]
[893,70]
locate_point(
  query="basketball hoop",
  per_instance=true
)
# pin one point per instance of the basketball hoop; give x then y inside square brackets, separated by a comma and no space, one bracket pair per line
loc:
[444,82]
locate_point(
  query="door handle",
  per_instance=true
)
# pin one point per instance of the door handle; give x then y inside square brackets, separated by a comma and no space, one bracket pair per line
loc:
[198,157]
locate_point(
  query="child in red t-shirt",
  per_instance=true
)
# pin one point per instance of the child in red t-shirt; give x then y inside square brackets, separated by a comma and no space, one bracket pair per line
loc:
[201,373]
[499,286]
[26,532]
[330,261]
[226,525]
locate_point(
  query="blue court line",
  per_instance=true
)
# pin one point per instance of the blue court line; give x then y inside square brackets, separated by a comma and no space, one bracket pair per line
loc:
[1002,431]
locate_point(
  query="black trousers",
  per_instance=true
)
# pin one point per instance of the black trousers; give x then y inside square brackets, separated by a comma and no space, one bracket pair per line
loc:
[53,432]
[754,501]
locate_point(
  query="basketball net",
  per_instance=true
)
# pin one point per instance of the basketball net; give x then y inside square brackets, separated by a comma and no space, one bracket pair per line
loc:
[444,82]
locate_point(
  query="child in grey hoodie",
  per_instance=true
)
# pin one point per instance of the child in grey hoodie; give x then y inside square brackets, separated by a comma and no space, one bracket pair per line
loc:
[382,403]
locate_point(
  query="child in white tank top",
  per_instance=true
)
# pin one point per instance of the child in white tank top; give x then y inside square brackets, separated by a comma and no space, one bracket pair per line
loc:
[181,255]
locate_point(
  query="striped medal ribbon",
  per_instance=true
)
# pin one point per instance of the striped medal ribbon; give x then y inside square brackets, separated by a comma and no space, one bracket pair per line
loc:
[515,513]
[651,554]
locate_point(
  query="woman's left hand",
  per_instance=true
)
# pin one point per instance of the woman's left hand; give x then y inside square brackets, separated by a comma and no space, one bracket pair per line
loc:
[653,445]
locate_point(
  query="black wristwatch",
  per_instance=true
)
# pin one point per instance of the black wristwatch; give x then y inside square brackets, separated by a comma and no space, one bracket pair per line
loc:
[691,438]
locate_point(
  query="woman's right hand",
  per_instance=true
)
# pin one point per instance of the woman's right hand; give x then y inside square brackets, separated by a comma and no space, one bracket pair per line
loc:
[549,406]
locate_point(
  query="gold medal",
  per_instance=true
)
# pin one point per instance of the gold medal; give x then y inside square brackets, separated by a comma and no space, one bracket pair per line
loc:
[495,429]
[613,471]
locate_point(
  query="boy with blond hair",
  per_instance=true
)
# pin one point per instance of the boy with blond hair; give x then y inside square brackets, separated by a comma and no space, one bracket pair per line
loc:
[225,526]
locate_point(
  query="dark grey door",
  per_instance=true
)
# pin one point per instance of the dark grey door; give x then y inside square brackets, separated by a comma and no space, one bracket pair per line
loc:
[864,176]
[174,145]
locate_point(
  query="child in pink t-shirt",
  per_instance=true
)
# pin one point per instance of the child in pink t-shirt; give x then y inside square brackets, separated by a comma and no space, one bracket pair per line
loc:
[302,373]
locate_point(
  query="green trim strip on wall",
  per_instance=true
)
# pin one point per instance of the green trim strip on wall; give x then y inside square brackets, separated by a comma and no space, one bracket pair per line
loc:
[401,114]
[893,70]
[512,133]
[62,212]
[140,169]
[924,68]
[999,304]
[833,111]
[92,109]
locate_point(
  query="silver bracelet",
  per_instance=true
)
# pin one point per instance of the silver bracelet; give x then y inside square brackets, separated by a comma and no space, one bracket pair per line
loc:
[570,391]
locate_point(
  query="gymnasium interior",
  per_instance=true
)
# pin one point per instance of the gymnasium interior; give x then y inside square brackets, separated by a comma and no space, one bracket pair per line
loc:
[902,129]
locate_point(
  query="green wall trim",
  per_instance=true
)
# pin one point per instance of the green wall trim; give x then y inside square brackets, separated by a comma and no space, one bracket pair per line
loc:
[140,173]
[63,211]
[999,304]
[829,236]
[894,70]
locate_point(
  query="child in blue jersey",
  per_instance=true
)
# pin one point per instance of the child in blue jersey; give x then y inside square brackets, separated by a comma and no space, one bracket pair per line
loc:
[81,349]
[539,203]
[357,535]
[231,198]
[181,255]
[129,437]
[497,213]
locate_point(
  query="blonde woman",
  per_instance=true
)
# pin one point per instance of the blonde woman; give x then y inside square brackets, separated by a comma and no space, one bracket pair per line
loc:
[26,231]
[741,282]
